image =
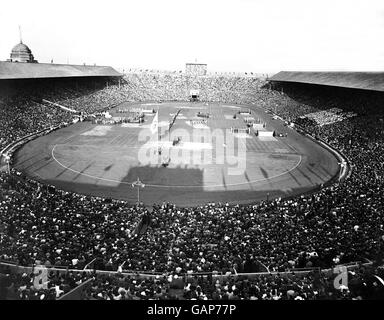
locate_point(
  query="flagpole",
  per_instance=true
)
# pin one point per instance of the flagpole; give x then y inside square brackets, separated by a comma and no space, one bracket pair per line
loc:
[155,129]
[139,185]
[138,193]
[158,135]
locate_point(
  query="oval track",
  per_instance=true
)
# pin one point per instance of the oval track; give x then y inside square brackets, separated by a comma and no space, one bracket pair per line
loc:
[108,166]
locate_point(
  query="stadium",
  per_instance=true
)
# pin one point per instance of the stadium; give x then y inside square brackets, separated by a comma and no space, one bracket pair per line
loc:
[180,185]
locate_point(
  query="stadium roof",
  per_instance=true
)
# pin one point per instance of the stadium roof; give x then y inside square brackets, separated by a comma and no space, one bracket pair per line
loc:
[16,70]
[356,80]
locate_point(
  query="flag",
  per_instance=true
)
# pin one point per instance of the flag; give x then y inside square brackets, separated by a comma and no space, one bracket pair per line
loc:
[155,123]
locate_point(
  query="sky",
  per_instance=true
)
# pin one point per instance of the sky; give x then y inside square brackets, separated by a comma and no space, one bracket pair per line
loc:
[261,36]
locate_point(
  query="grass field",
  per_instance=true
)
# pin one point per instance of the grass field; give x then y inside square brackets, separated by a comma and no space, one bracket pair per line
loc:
[209,164]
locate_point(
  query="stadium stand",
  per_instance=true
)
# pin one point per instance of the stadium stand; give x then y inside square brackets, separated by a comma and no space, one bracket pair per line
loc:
[339,224]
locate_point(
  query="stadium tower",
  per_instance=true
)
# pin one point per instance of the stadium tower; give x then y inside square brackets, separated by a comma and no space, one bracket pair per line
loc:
[21,53]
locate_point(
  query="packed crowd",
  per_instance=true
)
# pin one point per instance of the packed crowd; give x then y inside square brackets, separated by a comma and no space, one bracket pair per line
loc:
[147,86]
[330,116]
[21,116]
[161,87]
[38,285]
[40,223]
[339,224]
[362,284]
[95,97]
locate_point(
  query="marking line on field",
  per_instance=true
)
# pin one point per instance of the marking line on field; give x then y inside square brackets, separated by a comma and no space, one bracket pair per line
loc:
[174,186]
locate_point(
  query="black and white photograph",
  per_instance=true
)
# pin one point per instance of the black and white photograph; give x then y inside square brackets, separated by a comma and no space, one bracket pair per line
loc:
[191,156]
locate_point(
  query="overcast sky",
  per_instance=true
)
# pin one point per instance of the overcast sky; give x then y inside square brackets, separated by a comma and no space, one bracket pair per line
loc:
[228,35]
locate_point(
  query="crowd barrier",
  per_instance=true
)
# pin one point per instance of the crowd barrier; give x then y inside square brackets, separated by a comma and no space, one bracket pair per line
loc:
[60,106]
[199,121]
[249,120]
[6,152]
[345,168]
[77,293]
[262,133]
[240,130]
[258,126]
[245,111]
[15,268]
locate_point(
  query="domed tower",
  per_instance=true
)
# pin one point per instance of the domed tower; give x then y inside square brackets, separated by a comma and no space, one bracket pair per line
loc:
[21,53]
